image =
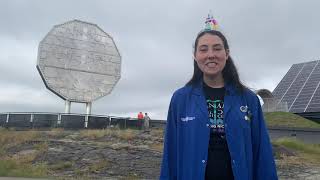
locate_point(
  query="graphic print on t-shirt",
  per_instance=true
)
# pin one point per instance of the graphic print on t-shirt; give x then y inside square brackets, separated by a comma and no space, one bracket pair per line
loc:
[215,109]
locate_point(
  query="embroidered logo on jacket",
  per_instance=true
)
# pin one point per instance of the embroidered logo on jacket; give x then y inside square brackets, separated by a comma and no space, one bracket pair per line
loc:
[246,110]
[186,119]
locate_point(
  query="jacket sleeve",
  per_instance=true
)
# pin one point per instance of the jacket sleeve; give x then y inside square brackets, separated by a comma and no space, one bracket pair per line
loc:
[169,163]
[264,167]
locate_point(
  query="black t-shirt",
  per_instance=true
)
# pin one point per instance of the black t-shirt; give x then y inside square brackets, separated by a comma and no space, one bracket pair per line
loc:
[219,161]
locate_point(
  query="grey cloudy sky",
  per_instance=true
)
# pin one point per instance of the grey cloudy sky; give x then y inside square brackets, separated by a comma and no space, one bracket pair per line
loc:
[155,40]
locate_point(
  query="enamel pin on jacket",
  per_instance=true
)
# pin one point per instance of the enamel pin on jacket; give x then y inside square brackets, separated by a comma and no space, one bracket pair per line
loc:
[187,136]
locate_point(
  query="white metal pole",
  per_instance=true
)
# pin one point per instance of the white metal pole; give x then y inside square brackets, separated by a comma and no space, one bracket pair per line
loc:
[59,119]
[67,107]
[8,116]
[88,112]
[88,107]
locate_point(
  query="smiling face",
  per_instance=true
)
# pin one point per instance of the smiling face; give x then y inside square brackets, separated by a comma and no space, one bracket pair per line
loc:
[211,55]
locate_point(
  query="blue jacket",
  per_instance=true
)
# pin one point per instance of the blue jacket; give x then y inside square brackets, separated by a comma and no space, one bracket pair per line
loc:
[187,136]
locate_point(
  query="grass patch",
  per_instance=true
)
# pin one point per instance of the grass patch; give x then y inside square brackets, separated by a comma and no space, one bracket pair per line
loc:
[94,134]
[295,144]
[286,119]
[307,152]
[2,151]
[127,134]
[11,137]
[56,133]
[42,147]
[131,176]
[98,166]
[21,166]
[289,161]
[62,165]
[157,146]
[157,132]
[81,174]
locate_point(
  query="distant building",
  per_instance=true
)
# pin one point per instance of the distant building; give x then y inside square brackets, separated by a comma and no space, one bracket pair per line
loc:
[270,103]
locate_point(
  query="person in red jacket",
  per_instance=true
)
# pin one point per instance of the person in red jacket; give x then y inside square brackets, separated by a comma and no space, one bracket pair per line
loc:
[140,119]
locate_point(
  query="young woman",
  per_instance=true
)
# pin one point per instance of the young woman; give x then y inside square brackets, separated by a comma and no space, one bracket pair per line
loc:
[215,126]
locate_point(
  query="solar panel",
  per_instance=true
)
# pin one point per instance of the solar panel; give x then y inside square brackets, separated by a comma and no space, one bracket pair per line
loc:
[299,88]
[282,87]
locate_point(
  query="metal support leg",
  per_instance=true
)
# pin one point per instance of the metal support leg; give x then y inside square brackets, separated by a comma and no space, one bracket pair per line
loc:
[88,112]
[8,116]
[67,106]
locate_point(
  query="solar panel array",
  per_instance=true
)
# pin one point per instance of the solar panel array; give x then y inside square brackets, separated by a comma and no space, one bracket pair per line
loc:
[299,88]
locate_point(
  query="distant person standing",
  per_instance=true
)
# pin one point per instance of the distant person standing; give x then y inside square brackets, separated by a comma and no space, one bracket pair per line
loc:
[140,119]
[146,122]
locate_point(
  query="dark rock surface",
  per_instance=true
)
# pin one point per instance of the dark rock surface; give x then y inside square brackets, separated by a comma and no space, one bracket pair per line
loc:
[70,156]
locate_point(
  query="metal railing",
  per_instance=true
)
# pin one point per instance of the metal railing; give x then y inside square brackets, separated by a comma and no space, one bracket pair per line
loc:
[29,120]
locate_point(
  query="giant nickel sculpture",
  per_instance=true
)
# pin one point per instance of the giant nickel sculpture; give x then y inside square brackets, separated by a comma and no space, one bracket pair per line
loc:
[79,62]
